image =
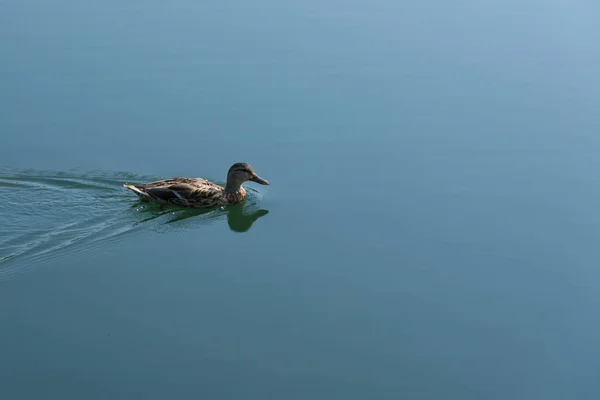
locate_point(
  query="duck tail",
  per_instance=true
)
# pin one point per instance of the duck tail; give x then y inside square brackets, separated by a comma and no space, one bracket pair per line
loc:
[138,190]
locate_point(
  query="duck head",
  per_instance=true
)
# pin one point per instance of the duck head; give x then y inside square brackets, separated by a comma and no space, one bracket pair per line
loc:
[240,173]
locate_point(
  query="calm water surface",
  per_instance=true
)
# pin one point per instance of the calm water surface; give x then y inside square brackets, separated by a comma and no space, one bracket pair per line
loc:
[431,230]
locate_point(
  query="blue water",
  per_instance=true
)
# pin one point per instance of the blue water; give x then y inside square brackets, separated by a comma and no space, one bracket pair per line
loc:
[431,229]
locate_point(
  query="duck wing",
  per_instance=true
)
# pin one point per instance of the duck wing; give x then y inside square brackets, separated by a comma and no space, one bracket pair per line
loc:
[168,193]
[187,192]
[194,182]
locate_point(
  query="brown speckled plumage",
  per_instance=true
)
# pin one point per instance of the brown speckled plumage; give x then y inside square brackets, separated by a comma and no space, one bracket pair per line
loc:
[198,192]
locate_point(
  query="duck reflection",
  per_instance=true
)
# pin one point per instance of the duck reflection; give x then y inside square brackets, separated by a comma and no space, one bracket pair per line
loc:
[240,218]
[241,222]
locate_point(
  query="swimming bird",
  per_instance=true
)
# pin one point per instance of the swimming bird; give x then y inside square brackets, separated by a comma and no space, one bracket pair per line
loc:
[198,192]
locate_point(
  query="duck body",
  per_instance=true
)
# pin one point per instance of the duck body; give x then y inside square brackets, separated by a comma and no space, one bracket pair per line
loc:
[187,192]
[198,192]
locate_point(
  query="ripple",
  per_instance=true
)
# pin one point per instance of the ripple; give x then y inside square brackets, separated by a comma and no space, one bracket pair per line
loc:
[47,214]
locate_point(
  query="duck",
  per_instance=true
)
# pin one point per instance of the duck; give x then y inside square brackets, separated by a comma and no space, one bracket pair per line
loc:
[199,192]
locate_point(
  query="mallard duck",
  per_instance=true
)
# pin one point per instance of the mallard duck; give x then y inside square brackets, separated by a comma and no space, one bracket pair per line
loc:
[198,192]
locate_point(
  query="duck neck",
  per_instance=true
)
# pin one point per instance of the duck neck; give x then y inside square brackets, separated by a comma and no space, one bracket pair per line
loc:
[233,187]
[234,193]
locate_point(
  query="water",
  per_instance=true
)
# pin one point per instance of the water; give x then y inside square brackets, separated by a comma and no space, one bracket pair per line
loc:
[430,230]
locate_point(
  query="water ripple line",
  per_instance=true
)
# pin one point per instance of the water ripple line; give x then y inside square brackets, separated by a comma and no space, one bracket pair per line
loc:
[49,214]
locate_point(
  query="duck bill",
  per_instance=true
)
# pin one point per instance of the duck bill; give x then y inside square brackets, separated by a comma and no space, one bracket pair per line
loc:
[260,180]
